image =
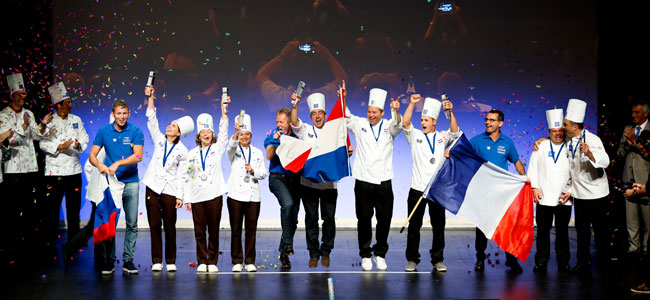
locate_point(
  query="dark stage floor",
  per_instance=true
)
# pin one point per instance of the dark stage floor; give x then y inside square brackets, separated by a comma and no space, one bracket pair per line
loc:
[81,281]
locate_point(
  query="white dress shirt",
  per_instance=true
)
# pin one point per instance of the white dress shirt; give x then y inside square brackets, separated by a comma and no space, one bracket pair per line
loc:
[64,162]
[589,180]
[164,179]
[197,189]
[423,169]
[237,188]
[309,133]
[374,159]
[550,177]
[21,143]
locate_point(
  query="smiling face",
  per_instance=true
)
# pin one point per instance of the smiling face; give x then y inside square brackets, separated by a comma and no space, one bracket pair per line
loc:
[282,122]
[18,99]
[64,107]
[639,115]
[374,115]
[428,124]
[492,123]
[172,130]
[556,135]
[570,128]
[121,115]
[245,138]
[318,117]
[206,136]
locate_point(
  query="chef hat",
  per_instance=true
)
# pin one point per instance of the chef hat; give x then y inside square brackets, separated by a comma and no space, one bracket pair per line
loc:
[554,118]
[377,98]
[204,121]
[431,107]
[246,126]
[58,92]
[15,83]
[316,101]
[575,111]
[185,125]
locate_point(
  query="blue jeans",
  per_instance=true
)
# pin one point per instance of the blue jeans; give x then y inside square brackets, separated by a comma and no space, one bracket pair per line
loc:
[287,189]
[130,209]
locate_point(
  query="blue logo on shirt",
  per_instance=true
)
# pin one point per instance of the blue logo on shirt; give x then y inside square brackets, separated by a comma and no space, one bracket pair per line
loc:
[75,125]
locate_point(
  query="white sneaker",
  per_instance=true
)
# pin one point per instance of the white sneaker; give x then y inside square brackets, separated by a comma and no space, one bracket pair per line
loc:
[237,267]
[156,267]
[381,263]
[202,268]
[366,264]
[440,267]
[411,266]
[171,268]
[213,269]
[251,268]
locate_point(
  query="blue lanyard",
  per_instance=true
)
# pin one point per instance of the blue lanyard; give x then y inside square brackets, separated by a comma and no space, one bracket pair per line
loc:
[373,131]
[316,135]
[573,150]
[249,154]
[206,156]
[555,158]
[166,154]
[433,147]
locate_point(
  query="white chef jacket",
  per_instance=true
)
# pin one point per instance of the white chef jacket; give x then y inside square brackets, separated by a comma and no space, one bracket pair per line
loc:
[164,179]
[309,133]
[21,143]
[64,162]
[550,177]
[197,190]
[374,158]
[421,154]
[237,188]
[589,180]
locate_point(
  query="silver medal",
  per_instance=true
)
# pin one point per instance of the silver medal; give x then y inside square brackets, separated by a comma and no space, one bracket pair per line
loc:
[432,160]
[247,179]
[204,177]
[573,165]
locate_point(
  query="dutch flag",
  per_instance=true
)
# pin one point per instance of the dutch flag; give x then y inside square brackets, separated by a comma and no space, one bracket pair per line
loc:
[493,199]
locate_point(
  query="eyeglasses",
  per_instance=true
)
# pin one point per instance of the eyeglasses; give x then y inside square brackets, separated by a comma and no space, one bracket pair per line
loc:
[490,120]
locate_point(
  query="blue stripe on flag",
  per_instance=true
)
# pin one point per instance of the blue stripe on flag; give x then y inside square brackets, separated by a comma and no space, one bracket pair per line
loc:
[330,166]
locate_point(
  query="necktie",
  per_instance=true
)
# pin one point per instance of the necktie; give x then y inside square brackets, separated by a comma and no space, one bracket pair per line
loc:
[638,131]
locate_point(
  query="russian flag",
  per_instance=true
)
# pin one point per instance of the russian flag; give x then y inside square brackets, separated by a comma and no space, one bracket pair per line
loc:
[495,200]
[327,158]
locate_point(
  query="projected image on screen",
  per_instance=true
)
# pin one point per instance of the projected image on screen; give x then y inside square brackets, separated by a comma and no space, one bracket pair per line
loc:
[521,58]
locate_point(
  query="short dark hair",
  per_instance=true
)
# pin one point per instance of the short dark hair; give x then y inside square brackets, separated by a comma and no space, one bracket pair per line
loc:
[501,117]
[284,110]
[120,103]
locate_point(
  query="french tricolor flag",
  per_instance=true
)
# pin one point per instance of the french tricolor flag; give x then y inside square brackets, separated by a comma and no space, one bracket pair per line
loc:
[495,200]
[327,158]
[106,192]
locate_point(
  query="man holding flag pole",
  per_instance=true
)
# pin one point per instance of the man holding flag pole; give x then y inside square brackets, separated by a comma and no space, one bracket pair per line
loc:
[427,151]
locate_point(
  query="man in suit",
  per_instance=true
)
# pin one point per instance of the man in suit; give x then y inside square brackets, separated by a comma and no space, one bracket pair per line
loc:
[636,170]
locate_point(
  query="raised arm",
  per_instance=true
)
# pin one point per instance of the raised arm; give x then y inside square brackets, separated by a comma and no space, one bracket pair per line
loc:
[408,114]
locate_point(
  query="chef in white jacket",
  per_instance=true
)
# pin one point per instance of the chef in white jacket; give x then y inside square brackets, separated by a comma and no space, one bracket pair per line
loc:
[62,147]
[246,170]
[164,190]
[205,186]
[550,177]
[373,171]
[589,188]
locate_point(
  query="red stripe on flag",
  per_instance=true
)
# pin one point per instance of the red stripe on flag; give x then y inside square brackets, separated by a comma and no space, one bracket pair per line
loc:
[297,164]
[514,234]
[105,231]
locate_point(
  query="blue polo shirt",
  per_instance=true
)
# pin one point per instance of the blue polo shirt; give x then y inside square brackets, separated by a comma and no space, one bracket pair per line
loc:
[119,145]
[275,166]
[498,152]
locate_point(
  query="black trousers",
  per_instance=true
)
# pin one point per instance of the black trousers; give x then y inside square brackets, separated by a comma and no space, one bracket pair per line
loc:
[371,198]
[480,245]
[22,216]
[55,188]
[591,213]
[438,221]
[311,200]
[544,217]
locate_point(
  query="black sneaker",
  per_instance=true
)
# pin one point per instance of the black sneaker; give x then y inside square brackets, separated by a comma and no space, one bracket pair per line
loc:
[284,259]
[108,268]
[641,289]
[539,268]
[129,267]
[288,250]
[514,266]
[479,266]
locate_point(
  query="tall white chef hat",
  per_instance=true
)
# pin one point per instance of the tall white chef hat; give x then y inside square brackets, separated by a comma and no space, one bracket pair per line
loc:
[554,118]
[431,107]
[575,111]
[204,121]
[377,98]
[58,92]
[15,83]
[185,125]
[316,101]
[246,126]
